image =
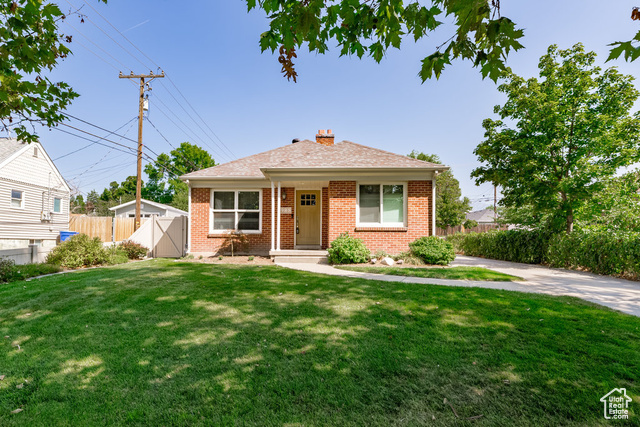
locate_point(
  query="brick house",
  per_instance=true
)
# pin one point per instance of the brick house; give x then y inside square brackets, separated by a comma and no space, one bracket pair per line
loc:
[303,195]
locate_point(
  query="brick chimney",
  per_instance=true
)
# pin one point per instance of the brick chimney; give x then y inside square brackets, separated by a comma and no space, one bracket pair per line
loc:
[325,138]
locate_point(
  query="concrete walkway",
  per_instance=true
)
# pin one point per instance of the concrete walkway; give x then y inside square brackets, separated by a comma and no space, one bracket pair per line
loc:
[619,294]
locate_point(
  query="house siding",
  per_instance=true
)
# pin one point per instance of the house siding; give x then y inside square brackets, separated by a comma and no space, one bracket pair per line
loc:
[146,210]
[35,177]
[342,217]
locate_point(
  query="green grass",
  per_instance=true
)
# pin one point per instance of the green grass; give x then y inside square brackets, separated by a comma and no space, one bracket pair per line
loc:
[172,343]
[458,273]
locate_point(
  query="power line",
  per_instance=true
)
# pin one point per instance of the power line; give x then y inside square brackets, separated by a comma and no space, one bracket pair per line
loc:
[168,77]
[196,123]
[98,46]
[200,117]
[107,34]
[160,133]
[193,136]
[103,129]
[87,139]
[96,136]
[89,145]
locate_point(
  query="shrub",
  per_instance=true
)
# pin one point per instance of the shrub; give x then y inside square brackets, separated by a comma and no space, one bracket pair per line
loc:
[10,272]
[133,250]
[116,255]
[81,250]
[348,250]
[456,240]
[433,250]
[601,252]
[526,246]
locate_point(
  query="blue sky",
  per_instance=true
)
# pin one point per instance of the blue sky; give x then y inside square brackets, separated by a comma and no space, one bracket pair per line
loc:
[210,50]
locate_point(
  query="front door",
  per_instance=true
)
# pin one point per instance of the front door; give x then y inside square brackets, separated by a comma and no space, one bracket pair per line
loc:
[308,218]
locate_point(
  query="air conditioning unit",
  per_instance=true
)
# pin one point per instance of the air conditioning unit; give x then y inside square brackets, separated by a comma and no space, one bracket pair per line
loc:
[45,216]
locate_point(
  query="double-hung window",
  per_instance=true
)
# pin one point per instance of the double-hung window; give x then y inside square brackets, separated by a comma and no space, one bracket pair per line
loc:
[238,210]
[382,205]
[17,199]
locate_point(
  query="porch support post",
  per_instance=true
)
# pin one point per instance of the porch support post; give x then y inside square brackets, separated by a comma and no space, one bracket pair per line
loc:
[433,207]
[279,203]
[273,217]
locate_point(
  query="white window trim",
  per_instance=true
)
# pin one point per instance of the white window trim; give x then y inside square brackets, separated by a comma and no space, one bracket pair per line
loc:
[11,199]
[236,211]
[53,208]
[381,224]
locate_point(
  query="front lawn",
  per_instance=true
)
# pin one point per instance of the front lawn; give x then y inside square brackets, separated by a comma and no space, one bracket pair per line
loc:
[457,273]
[174,343]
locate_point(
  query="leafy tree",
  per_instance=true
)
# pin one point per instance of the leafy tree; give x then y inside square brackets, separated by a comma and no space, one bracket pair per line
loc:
[77,204]
[164,185]
[363,27]
[569,130]
[630,48]
[451,210]
[615,207]
[31,45]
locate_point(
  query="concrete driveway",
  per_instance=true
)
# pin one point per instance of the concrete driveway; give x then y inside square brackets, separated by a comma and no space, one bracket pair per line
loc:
[619,294]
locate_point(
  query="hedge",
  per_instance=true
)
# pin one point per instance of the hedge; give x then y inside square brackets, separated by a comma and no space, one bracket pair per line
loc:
[526,246]
[601,252]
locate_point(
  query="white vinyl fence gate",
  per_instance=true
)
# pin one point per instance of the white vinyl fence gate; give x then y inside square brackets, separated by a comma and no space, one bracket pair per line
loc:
[165,237]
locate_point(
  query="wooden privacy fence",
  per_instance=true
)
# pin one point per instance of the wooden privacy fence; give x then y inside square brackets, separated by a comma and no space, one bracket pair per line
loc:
[480,228]
[108,229]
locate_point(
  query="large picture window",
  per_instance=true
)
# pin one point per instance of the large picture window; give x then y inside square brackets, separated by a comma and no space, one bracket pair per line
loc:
[382,204]
[238,210]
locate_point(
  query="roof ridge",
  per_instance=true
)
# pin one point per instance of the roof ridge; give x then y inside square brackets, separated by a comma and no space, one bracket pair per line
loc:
[282,147]
[389,152]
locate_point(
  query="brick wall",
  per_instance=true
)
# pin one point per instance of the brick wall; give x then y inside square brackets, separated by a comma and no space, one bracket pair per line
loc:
[342,214]
[338,216]
[203,242]
[325,218]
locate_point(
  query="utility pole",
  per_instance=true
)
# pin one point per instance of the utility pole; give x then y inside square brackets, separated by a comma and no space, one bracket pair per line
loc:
[151,77]
[495,202]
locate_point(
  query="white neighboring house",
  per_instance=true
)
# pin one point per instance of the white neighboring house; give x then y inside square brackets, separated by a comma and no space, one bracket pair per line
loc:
[484,216]
[34,197]
[147,208]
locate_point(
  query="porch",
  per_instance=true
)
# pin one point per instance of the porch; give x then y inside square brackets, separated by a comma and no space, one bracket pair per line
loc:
[299,218]
[299,256]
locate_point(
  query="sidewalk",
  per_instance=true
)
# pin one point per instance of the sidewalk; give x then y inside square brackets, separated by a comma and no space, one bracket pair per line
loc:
[619,294]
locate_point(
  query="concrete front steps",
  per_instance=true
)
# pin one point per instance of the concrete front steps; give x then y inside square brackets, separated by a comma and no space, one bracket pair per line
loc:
[299,256]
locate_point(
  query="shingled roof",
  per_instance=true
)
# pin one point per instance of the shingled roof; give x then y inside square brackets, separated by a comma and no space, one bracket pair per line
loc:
[8,146]
[310,154]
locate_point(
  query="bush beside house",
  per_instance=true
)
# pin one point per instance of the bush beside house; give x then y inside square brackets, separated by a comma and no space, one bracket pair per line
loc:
[83,251]
[348,250]
[433,250]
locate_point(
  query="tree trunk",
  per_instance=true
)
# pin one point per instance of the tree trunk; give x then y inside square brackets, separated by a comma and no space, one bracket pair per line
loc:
[570,222]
